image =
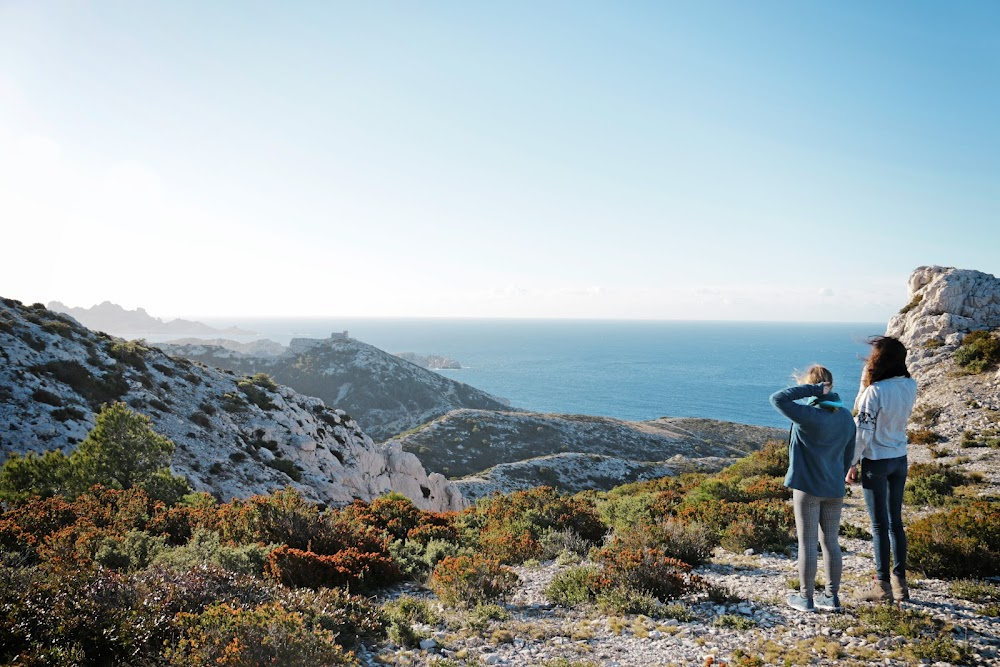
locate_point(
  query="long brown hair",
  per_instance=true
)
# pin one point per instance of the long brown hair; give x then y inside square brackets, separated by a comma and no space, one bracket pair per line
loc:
[887,360]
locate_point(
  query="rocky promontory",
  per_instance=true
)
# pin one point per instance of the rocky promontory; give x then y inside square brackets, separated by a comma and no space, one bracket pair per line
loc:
[387,395]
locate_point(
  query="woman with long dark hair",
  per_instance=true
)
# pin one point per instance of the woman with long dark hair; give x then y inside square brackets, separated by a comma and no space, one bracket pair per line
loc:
[883,408]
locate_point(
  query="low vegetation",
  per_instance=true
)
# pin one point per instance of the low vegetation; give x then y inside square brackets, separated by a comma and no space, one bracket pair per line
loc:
[110,560]
[980,351]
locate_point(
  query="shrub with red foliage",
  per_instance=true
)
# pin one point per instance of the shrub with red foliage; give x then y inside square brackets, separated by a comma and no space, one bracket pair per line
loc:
[284,517]
[647,569]
[350,567]
[472,579]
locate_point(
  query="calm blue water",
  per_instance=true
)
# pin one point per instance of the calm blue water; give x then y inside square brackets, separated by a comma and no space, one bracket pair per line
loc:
[633,370]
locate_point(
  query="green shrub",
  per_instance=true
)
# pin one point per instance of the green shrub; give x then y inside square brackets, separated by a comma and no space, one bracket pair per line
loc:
[914,302]
[980,350]
[47,397]
[974,590]
[927,415]
[68,414]
[130,552]
[625,600]
[852,532]
[958,543]
[887,620]
[761,525]
[691,541]
[942,648]
[96,389]
[734,622]
[351,618]
[510,527]
[206,548]
[573,586]
[933,483]
[256,388]
[934,490]
[287,467]
[130,352]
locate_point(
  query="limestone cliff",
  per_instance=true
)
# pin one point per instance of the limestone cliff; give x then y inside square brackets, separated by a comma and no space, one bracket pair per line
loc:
[945,304]
[234,438]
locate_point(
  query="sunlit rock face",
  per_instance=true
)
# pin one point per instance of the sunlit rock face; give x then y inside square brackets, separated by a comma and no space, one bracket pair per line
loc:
[944,304]
[233,438]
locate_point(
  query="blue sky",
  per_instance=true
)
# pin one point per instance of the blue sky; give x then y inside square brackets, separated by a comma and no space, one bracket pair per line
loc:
[722,160]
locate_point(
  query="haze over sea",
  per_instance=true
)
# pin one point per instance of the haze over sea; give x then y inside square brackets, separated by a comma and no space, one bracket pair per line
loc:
[635,370]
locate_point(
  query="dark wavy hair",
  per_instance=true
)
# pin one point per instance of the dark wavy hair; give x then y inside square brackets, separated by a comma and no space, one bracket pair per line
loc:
[887,360]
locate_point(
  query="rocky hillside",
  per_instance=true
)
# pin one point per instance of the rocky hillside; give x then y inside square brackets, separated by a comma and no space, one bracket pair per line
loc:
[513,450]
[960,408]
[386,394]
[234,437]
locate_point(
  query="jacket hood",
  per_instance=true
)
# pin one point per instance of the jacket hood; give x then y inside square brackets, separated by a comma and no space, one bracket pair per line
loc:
[829,401]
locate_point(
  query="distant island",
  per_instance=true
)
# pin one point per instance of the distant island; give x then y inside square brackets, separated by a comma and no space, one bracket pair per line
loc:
[112,318]
[431,361]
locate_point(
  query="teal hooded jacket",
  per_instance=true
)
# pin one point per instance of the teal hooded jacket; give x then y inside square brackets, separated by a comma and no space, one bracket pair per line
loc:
[821,442]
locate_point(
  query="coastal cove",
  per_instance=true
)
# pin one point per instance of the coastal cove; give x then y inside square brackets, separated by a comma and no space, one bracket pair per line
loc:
[633,370]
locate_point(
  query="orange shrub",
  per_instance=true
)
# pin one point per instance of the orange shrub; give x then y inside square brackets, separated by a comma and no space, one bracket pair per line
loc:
[647,569]
[350,567]
[466,580]
[267,635]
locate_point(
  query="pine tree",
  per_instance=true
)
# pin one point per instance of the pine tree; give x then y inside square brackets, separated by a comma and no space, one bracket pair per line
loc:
[122,450]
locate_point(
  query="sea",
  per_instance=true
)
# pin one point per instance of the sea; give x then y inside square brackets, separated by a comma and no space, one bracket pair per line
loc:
[632,370]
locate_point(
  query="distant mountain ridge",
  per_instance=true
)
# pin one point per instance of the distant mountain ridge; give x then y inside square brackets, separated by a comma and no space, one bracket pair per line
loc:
[387,395]
[112,318]
[234,436]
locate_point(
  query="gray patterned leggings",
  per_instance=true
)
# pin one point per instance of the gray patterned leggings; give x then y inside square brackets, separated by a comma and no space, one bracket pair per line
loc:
[818,515]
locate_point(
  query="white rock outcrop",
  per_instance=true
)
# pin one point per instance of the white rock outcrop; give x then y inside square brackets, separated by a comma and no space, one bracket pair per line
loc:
[233,439]
[945,304]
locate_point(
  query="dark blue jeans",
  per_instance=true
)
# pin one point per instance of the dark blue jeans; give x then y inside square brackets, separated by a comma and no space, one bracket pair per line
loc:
[883,483]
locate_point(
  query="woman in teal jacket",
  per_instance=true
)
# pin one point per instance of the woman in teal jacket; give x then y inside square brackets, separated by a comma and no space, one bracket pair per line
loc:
[820,453]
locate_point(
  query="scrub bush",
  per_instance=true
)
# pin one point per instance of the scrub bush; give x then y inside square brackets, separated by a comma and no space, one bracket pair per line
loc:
[267,635]
[959,543]
[510,527]
[467,580]
[980,350]
[573,586]
[358,570]
[647,569]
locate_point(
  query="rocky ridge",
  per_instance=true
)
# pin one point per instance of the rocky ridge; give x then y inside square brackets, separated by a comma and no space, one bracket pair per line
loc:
[508,451]
[234,438]
[387,395]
